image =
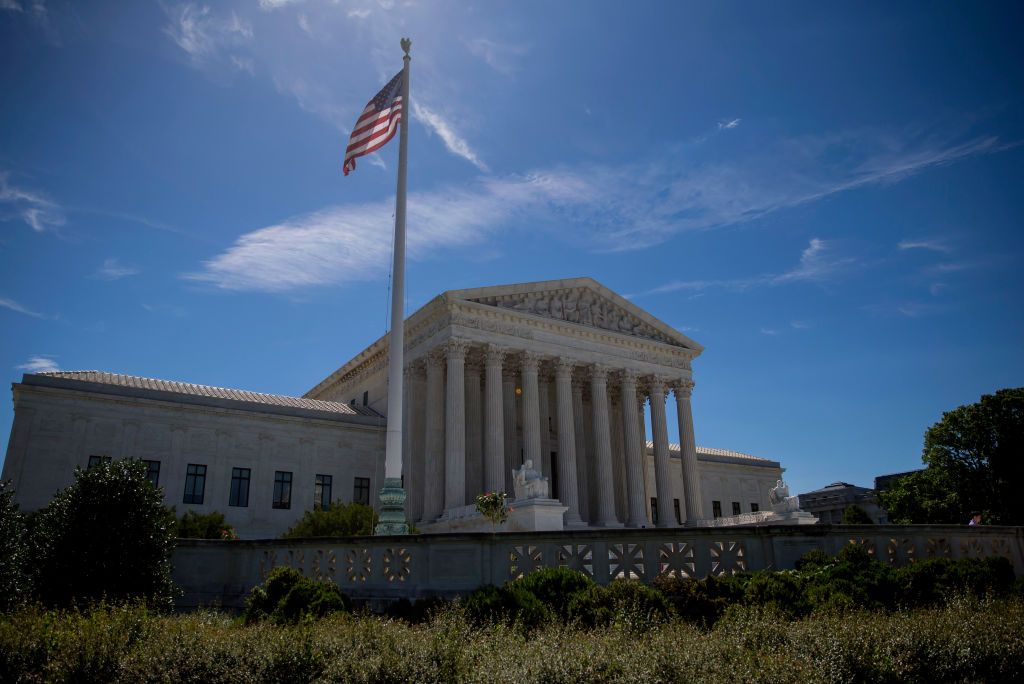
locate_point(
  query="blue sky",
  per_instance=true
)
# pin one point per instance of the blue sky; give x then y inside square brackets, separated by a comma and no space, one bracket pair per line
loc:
[827,196]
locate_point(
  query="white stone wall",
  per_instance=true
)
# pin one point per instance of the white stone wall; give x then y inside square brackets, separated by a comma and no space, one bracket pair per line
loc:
[56,430]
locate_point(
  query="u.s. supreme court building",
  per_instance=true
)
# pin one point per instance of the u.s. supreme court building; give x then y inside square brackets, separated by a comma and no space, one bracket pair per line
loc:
[555,372]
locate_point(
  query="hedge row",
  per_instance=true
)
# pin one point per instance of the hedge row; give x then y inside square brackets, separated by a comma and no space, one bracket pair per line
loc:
[966,640]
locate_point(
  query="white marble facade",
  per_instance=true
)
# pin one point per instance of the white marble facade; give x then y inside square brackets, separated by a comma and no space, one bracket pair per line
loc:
[557,372]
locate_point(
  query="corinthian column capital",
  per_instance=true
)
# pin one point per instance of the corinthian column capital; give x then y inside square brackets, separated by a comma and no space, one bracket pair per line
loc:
[494,355]
[629,377]
[456,349]
[599,372]
[564,367]
[683,388]
[530,360]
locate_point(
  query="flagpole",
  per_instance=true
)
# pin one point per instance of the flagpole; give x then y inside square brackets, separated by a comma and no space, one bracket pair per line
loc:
[392,495]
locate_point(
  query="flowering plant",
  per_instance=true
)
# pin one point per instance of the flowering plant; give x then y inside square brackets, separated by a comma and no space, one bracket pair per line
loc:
[492,506]
[228,533]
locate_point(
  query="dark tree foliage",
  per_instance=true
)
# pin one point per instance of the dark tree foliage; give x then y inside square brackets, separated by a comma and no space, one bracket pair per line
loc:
[13,562]
[340,520]
[975,461]
[194,525]
[855,515]
[106,537]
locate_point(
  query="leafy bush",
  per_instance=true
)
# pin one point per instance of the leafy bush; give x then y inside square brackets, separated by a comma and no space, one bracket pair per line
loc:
[510,604]
[195,525]
[419,612]
[938,580]
[106,537]
[288,597]
[701,602]
[555,587]
[623,602]
[13,551]
[340,520]
[782,592]
[855,515]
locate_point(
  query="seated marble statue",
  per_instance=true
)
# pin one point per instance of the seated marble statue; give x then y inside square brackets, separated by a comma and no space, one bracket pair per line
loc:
[778,493]
[528,483]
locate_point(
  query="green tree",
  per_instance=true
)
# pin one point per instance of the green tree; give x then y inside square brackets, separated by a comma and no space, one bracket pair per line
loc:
[973,459]
[13,563]
[855,515]
[340,520]
[106,537]
[194,525]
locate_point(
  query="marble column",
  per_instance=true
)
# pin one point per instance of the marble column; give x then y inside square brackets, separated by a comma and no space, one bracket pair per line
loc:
[433,480]
[642,427]
[531,411]
[508,397]
[581,450]
[544,420]
[688,450]
[474,433]
[494,429]
[414,462]
[662,468]
[568,486]
[455,426]
[635,490]
[602,448]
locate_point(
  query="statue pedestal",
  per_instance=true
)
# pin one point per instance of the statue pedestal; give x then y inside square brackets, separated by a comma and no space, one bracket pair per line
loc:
[528,515]
[535,515]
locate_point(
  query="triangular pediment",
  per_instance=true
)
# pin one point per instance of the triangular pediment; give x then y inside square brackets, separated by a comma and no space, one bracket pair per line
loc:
[582,301]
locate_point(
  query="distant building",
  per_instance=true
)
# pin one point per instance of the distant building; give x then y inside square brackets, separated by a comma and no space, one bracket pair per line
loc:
[830,502]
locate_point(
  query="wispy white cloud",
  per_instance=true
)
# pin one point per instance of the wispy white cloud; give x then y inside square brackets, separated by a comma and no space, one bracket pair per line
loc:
[769,331]
[208,38]
[818,263]
[112,269]
[800,325]
[358,13]
[374,159]
[931,244]
[727,124]
[39,364]
[502,57]
[623,207]
[317,100]
[348,244]
[15,306]
[33,207]
[277,4]
[455,143]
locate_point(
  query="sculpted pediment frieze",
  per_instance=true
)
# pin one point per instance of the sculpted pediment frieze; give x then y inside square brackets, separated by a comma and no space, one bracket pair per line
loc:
[582,306]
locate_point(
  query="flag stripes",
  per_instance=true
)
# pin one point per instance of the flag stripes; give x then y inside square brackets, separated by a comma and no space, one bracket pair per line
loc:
[377,124]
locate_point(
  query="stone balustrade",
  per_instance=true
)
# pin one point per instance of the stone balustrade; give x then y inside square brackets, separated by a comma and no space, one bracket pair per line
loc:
[379,569]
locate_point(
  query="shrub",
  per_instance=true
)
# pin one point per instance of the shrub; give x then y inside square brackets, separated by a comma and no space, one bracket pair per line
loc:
[288,597]
[782,592]
[13,551]
[855,515]
[340,520]
[107,536]
[195,525]
[555,587]
[701,602]
[814,558]
[509,604]
[623,602]
[419,612]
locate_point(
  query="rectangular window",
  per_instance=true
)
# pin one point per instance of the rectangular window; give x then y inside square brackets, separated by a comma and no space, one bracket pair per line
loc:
[754,508]
[675,507]
[322,493]
[239,494]
[736,509]
[282,489]
[654,510]
[716,509]
[366,398]
[361,491]
[96,460]
[153,472]
[195,483]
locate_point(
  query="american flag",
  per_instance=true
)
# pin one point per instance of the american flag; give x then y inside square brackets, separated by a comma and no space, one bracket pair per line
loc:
[377,124]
